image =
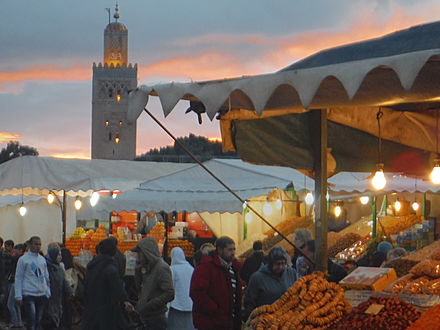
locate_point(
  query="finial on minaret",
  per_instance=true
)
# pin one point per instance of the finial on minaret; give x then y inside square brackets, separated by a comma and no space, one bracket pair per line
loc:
[116,15]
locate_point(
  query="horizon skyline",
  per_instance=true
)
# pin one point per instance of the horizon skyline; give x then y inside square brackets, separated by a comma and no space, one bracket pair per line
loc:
[46,62]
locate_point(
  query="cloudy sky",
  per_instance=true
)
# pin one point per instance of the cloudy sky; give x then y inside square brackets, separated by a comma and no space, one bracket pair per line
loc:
[47,48]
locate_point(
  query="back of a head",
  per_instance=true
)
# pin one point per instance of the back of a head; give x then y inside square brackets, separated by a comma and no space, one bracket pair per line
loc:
[257,246]
[310,245]
[107,247]
[384,247]
[10,243]
[20,247]
[113,239]
[396,253]
[177,256]
[223,242]
[207,249]
[302,236]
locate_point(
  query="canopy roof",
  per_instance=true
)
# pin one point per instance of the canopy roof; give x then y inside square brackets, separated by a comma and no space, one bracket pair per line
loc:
[194,190]
[400,73]
[33,175]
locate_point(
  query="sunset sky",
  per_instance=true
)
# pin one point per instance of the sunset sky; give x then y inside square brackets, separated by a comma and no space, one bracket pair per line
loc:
[47,48]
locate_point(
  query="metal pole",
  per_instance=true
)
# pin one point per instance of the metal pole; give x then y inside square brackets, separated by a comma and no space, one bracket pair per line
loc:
[64,215]
[424,206]
[373,208]
[319,141]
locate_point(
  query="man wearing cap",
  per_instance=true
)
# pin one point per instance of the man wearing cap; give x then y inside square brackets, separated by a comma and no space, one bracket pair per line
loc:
[155,279]
[216,289]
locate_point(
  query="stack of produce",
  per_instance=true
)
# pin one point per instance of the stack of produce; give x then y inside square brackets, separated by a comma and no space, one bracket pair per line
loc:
[125,246]
[186,246]
[379,313]
[342,243]
[97,237]
[430,320]
[424,278]
[157,232]
[78,240]
[401,266]
[311,303]
[354,251]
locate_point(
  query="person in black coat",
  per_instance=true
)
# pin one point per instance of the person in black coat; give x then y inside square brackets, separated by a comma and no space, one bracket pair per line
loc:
[105,294]
[253,263]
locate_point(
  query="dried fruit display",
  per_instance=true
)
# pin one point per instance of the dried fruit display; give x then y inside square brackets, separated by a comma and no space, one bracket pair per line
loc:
[430,320]
[393,225]
[432,287]
[379,313]
[354,251]
[289,226]
[401,266]
[311,303]
[429,268]
[342,243]
[332,237]
[416,285]
[435,255]
[398,285]
[424,253]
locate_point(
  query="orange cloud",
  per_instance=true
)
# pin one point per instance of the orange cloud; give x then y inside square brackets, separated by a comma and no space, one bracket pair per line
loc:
[8,136]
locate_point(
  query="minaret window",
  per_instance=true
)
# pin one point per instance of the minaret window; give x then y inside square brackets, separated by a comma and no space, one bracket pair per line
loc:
[117,139]
[118,97]
[107,123]
[110,92]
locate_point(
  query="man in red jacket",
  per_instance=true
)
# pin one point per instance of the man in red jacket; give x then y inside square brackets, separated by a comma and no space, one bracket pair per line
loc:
[216,289]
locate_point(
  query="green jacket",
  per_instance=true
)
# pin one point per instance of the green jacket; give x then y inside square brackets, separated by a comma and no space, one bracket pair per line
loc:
[156,282]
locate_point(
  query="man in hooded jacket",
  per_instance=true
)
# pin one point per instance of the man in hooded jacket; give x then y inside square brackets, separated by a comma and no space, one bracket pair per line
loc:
[104,292]
[154,276]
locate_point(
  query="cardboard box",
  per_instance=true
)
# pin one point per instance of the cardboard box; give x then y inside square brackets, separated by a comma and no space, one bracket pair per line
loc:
[369,278]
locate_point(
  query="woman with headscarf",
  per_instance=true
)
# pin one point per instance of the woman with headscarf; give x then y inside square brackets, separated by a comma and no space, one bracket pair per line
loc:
[270,282]
[59,288]
[180,313]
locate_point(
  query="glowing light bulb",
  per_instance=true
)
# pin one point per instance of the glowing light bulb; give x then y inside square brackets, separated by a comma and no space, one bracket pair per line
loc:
[117,140]
[22,210]
[379,181]
[114,195]
[397,206]
[435,174]
[364,200]
[267,208]
[77,204]
[244,205]
[338,211]
[309,198]
[415,206]
[279,204]
[327,196]
[50,198]
[118,97]
[94,199]
[248,218]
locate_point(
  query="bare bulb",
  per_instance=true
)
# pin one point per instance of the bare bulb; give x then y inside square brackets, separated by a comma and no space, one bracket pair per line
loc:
[279,204]
[435,174]
[309,198]
[397,206]
[338,211]
[94,199]
[415,206]
[248,218]
[267,208]
[77,204]
[50,198]
[379,180]
[364,200]
[22,210]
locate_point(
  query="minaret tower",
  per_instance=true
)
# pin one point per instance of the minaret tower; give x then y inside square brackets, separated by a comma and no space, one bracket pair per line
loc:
[112,136]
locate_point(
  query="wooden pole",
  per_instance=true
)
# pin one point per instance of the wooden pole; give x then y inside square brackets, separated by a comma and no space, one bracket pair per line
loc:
[319,142]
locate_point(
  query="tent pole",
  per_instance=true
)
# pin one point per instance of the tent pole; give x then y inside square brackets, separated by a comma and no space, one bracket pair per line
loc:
[64,215]
[374,215]
[319,142]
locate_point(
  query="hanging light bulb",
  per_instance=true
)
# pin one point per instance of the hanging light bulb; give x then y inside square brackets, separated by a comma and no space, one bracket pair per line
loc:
[364,200]
[22,210]
[415,206]
[50,198]
[245,205]
[94,199]
[267,208]
[248,217]
[309,198]
[397,205]
[114,194]
[337,211]
[435,174]
[327,196]
[77,203]
[379,181]
[279,204]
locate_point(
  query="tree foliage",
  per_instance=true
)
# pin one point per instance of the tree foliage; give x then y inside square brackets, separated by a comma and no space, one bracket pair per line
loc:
[14,149]
[200,146]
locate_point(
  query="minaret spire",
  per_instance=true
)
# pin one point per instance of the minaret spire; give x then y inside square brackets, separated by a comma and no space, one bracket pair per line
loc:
[116,15]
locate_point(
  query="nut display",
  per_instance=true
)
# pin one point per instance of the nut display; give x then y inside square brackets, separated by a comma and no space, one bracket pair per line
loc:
[430,320]
[311,303]
[401,266]
[415,286]
[398,285]
[429,268]
[391,313]
[424,253]
[342,243]
[432,287]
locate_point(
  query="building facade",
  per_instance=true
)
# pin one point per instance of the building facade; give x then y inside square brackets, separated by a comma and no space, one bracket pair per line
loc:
[112,136]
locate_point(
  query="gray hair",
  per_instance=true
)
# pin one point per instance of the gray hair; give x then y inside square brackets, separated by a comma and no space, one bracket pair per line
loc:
[396,253]
[302,236]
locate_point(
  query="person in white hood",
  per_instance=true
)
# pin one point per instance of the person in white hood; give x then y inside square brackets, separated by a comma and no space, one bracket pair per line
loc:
[32,284]
[180,314]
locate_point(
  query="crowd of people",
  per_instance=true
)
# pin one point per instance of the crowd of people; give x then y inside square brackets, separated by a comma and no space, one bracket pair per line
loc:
[214,291]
